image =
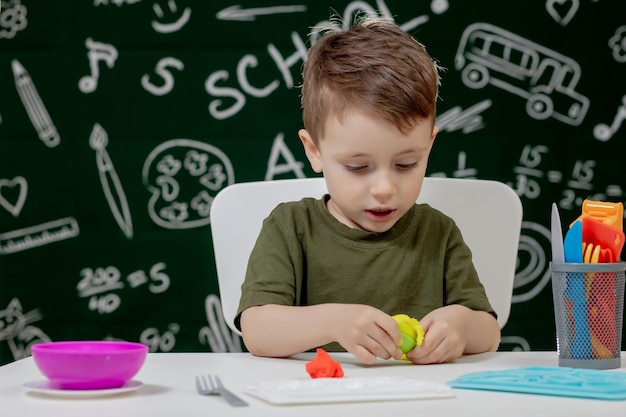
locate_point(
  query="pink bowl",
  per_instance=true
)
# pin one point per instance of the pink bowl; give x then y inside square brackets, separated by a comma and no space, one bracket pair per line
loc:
[89,365]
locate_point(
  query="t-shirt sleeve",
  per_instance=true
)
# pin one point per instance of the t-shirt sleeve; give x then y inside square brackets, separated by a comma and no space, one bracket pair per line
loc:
[463,285]
[271,272]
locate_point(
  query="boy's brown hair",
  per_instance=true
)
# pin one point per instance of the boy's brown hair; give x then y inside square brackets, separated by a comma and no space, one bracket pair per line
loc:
[373,66]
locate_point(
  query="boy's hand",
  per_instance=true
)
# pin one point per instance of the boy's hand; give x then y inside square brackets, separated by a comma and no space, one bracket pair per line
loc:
[452,331]
[366,332]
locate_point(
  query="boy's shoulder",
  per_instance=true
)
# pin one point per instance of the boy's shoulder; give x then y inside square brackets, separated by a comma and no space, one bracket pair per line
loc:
[305,207]
[306,203]
[425,210]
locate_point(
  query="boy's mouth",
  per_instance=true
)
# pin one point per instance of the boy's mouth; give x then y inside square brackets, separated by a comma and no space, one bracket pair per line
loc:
[380,215]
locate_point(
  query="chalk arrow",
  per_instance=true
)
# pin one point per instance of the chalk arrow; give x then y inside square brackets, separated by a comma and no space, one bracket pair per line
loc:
[237,13]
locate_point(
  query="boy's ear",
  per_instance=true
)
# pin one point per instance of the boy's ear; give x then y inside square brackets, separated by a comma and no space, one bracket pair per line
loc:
[434,135]
[311,150]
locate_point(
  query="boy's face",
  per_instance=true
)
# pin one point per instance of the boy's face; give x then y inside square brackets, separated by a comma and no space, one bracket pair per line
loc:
[373,172]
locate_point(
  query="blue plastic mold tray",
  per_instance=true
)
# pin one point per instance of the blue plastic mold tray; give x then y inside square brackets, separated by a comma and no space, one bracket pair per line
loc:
[548,380]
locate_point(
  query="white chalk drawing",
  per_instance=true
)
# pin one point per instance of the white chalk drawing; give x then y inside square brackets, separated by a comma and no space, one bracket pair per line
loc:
[462,171]
[562,11]
[98,281]
[217,334]
[117,3]
[158,281]
[35,236]
[581,181]
[228,98]
[6,187]
[162,71]
[237,13]
[439,6]
[283,64]
[34,106]
[95,283]
[358,8]
[604,132]
[111,185]
[160,342]
[617,43]
[97,51]
[546,79]
[527,172]
[180,19]
[12,18]
[290,164]
[468,120]
[17,330]
[533,271]
[100,285]
[183,176]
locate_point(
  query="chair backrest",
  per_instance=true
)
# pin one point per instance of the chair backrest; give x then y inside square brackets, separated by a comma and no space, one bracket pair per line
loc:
[488,213]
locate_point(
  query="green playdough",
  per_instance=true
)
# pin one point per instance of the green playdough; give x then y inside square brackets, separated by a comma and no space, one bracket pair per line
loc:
[408,343]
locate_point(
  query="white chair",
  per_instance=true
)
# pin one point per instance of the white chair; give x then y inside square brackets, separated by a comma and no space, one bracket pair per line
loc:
[488,213]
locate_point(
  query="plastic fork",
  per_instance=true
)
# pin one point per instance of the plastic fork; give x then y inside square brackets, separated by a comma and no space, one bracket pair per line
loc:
[600,308]
[212,385]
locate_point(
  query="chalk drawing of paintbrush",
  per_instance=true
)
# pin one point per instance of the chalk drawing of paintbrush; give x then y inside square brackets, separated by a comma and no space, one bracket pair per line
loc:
[111,185]
[37,112]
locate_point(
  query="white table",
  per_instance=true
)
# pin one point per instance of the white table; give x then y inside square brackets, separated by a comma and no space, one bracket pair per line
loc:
[169,389]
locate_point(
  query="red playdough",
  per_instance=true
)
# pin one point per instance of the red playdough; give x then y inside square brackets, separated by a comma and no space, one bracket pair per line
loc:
[323,366]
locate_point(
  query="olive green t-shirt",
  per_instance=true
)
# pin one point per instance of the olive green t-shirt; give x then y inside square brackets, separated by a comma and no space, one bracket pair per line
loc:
[304,256]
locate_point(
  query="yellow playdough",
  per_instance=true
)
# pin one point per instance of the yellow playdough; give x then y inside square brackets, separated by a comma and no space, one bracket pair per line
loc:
[412,332]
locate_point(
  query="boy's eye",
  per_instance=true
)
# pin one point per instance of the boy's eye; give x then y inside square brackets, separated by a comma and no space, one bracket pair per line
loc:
[409,165]
[356,168]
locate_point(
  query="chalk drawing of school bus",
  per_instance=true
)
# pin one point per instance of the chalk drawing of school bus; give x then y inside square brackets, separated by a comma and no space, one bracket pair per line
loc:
[488,54]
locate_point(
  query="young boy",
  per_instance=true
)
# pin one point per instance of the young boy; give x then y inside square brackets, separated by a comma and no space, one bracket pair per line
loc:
[332,272]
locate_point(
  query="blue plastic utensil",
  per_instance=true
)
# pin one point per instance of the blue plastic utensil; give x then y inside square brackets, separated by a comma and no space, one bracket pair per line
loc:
[575,293]
[573,244]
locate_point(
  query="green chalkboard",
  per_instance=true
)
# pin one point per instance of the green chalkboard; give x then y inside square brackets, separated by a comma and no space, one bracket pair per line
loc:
[121,119]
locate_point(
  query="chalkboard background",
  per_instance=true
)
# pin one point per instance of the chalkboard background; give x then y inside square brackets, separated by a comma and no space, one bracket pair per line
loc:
[121,119]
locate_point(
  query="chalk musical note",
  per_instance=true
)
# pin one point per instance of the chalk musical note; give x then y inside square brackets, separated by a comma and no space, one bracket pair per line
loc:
[111,185]
[604,132]
[98,51]
[37,112]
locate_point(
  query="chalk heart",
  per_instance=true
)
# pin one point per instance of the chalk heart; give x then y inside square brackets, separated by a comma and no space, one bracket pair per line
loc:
[562,11]
[16,188]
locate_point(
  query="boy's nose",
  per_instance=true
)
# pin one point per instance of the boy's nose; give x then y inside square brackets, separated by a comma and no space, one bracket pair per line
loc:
[383,186]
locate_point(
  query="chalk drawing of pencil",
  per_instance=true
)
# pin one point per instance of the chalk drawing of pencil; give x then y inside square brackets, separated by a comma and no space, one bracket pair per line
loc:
[37,112]
[111,185]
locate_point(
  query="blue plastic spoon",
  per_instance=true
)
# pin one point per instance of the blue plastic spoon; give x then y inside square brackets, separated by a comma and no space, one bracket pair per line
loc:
[575,292]
[573,244]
